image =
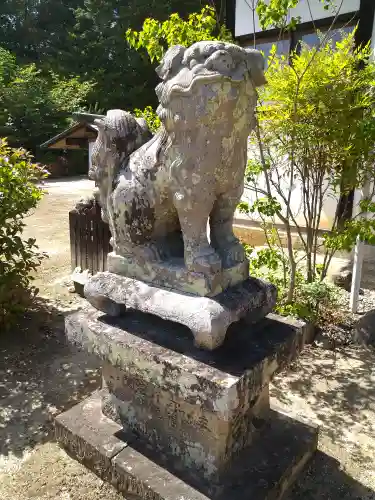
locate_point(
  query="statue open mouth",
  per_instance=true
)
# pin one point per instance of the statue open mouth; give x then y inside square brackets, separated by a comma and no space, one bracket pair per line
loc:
[205,63]
[202,79]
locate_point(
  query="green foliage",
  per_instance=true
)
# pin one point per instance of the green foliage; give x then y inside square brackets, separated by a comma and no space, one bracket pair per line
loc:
[85,39]
[275,13]
[97,46]
[156,36]
[312,301]
[35,105]
[324,103]
[18,257]
[267,206]
[316,130]
[152,119]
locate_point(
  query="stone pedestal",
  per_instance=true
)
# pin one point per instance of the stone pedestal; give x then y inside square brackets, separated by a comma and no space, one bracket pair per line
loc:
[176,422]
[207,317]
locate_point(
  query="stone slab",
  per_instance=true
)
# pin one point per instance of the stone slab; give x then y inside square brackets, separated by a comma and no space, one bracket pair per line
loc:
[207,317]
[89,436]
[262,472]
[172,274]
[206,406]
[161,353]
[197,439]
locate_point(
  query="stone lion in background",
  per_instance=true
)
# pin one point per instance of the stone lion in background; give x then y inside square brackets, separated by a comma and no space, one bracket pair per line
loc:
[158,192]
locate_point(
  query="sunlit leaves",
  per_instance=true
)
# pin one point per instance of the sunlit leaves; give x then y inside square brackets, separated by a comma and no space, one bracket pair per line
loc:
[155,36]
[152,119]
[325,104]
[317,136]
[277,14]
[19,193]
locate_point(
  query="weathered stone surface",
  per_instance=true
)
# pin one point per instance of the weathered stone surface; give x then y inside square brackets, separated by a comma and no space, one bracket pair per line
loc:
[158,196]
[364,330]
[198,440]
[207,318]
[199,407]
[262,472]
[173,274]
[90,436]
[266,470]
[162,354]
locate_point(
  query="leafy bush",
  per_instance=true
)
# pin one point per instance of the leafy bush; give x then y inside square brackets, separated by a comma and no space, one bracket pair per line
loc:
[19,193]
[312,301]
[152,119]
[315,130]
[35,105]
[156,37]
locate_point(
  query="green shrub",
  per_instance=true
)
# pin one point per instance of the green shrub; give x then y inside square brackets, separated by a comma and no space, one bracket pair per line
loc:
[314,137]
[156,36]
[152,119]
[19,193]
[313,301]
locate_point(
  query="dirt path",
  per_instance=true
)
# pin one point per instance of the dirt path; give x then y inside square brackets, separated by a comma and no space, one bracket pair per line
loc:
[49,224]
[40,376]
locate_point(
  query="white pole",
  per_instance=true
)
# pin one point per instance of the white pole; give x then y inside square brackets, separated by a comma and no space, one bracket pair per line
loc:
[358,254]
[357,274]
[359,247]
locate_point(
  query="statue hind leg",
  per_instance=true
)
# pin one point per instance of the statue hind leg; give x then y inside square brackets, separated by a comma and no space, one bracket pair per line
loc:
[134,221]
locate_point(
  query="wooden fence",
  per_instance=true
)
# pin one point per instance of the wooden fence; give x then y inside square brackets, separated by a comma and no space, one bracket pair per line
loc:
[89,238]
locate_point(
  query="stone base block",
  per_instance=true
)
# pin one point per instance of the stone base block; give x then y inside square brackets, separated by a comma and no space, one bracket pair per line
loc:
[261,472]
[172,274]
[196,439]
[199,407]
[207,318]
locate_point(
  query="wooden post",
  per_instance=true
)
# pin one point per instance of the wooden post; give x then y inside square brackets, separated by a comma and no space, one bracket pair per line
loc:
[89,239]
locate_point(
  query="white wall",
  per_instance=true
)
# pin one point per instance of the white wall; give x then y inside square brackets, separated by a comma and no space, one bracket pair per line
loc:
[244,24]
[328,211]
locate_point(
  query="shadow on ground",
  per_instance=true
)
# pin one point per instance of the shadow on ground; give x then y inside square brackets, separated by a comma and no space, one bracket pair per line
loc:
[336,389]
[324,479]
[40,375]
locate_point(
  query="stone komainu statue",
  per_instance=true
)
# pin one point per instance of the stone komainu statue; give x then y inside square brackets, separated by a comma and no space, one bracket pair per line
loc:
[158,192]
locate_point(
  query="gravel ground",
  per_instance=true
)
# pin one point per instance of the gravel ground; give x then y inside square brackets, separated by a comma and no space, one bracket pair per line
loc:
[40,376]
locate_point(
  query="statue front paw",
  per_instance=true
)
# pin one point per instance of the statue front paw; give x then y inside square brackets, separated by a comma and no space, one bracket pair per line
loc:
[204,262]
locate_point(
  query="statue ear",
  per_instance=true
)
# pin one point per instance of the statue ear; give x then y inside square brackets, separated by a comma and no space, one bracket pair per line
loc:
[171,62]
[256,63]
[99,122]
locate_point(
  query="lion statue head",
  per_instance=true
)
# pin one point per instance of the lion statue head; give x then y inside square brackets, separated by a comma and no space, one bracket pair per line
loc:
[206,82]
